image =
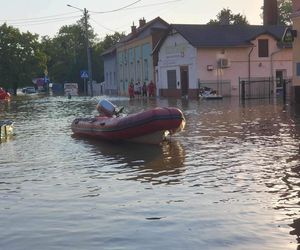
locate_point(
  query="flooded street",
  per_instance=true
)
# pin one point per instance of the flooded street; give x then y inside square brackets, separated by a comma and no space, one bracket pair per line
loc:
[230,180]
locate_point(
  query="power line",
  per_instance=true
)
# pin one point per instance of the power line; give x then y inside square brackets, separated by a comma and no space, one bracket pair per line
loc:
[122,8]
[137,7]
[102,26]
[65,16]
[42,21]
[34,18]
[37,23]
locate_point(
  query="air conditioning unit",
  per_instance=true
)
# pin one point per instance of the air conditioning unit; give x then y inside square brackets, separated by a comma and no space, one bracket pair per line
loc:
[223,63]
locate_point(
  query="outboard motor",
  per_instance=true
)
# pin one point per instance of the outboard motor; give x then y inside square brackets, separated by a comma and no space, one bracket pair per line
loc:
[107,108]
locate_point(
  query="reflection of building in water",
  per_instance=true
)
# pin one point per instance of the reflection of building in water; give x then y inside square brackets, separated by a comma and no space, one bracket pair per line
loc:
[296,231]
[165,169]
[162,164]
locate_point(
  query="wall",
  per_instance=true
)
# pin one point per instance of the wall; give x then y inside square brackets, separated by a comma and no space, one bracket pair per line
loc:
[110,86]
[134,62]
[296,53]
[296,47]
[174,53]
[279,59]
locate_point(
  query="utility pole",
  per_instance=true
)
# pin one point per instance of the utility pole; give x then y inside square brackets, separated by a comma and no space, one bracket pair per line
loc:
[87,43]
[88,51]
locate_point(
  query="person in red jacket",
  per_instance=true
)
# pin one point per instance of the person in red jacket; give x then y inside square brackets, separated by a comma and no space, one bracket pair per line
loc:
[151,88]
[131,90]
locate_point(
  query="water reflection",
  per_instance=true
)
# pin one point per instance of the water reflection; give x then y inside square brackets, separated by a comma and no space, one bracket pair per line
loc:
[215,186]
[157,164]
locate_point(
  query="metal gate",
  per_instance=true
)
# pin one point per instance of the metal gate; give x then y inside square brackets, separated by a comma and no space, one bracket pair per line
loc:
[254,88]
[259,88]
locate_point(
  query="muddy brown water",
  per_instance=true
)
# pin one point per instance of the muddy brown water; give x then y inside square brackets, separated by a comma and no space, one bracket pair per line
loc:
[230,180]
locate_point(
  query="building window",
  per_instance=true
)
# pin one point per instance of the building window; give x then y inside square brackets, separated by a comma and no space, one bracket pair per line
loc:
[146,70]
[138,69]
[263,48]
[298,69]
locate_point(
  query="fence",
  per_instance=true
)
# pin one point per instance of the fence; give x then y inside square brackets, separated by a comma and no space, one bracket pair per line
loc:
[259,88]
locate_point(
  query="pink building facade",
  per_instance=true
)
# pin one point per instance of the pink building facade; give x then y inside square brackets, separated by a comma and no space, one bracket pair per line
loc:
[296,52]
[192,56]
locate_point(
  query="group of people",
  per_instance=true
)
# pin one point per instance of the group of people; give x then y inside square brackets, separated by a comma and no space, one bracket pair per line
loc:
[141,90]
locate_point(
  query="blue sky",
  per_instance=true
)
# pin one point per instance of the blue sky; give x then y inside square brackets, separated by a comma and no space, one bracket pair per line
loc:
[45,17]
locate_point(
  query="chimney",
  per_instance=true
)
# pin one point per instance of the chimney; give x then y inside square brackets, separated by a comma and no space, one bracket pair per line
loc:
[133,29]
[270,12]
[142,22]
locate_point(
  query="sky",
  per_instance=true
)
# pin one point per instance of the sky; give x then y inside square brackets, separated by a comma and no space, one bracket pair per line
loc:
[46,17]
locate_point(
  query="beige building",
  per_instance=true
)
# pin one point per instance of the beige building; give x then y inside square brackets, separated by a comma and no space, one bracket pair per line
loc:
[296,51]
[135,60]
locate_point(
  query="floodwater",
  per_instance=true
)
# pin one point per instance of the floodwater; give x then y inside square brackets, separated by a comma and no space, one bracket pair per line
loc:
[230,180]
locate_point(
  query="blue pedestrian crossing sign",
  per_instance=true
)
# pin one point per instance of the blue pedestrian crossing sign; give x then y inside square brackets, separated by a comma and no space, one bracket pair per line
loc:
[84,74]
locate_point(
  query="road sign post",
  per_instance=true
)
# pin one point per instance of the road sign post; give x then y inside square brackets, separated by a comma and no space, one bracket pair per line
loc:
[84,75]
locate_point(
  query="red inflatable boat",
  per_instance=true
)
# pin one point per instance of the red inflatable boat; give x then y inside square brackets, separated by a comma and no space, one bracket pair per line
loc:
[4,95]
[151,126]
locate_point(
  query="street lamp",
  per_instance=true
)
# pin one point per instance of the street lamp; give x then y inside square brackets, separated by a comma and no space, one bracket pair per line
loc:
[88,51]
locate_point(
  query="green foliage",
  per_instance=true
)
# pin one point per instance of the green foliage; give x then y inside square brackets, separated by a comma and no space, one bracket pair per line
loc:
[67,54]
[111,40]
[285,8]
[108,42]
[21,57]
[24,57]
[225,17]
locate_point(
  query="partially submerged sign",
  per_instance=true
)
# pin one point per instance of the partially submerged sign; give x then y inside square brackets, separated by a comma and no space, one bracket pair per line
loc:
[71,89]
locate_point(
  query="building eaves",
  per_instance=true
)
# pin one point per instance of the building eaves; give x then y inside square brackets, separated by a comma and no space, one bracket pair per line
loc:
[139,30]
[109,51]
[201,36]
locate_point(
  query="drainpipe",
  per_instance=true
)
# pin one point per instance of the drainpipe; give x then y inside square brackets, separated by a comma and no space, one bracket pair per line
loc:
[249,68]
[271,73]
[249,64]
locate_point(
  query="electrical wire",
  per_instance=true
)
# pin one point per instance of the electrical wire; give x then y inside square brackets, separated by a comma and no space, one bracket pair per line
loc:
[110,11]
[137,7]
[102,26]
[34,18]
[42,21]
[65,16]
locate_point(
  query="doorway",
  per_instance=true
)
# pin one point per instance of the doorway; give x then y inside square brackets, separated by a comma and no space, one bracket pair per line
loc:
[280,76]
[184,79]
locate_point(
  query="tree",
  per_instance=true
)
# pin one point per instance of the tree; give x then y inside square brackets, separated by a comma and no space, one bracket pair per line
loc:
[98,48]
[21,58]
[225,17]
[66,52]
[285,9]
[111,40]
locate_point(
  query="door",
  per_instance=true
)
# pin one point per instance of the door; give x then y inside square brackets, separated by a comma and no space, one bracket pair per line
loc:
[279,82]
[171,75]
[184,79]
